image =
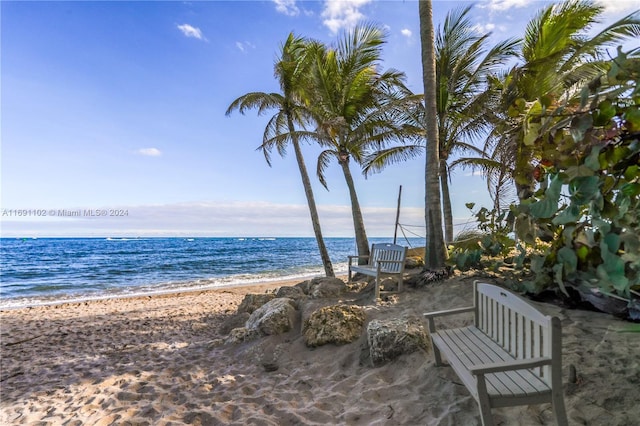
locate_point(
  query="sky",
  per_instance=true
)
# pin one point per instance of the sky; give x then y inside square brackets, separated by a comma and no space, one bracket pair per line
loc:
[113,117]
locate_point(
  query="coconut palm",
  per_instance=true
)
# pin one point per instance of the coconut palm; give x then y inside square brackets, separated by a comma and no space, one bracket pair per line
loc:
[435,250]
[464,65]
[290,69]
[354,107]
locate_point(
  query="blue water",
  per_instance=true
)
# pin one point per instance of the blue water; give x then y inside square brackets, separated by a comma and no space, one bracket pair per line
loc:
[52,270]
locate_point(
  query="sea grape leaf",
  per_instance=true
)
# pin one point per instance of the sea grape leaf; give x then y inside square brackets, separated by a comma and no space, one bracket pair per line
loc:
[592,161]
[612,242]
[571,214]
[568,258]
[584,189]
[548,206]
[632,172]
[630,189]
[611,270]
[606,111]
[632,116]
[579,171]
[579,126]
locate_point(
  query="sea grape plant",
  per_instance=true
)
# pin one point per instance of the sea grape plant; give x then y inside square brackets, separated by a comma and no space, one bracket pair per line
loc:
[587,205]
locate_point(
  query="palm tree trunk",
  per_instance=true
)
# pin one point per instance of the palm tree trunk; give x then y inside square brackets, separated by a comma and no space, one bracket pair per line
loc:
[362,243]
[446,202]
[435,250]
[313,211]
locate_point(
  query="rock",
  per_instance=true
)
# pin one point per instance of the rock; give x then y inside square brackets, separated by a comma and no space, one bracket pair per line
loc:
[414,262]
[274,317]
[215,343]
[294,293]
[233,321]
[251,302]
[338,324]
[242,334]
[389,339]
[326,287]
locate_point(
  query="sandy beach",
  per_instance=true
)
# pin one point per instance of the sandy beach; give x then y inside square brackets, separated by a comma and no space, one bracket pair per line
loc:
[162,360]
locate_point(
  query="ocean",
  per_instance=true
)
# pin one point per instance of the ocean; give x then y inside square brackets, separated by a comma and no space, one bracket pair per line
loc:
[53,270]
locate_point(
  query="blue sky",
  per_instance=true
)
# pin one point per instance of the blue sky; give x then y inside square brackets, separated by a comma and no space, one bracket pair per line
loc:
[119,106]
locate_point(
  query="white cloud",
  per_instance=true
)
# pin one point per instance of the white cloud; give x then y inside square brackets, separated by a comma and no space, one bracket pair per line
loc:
[340,14]
[406,32]
[243,46]
[150,152]
[485,28]
[474,173]
[288,7]
[622,7]
[190,31]
[501,5]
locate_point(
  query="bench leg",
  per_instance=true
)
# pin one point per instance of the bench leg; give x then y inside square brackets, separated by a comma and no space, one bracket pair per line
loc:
[377,290]
[558,407]
[436,355]
[483,402]
[400,284]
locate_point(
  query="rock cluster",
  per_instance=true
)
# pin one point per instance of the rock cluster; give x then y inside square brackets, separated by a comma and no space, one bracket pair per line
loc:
[311,305]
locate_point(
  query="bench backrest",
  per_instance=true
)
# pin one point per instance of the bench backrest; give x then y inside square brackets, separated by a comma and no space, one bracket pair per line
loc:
[517,326]
[387,251]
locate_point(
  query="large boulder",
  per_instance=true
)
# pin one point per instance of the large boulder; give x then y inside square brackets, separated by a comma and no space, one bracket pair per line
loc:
[326,287]
[251,302]
[274,317]
[388,339]
[338,324]
[294,293]
[233,321]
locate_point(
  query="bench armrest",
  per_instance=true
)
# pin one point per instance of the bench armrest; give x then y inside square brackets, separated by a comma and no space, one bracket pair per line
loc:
[364,256]
[518,364]
[429,315]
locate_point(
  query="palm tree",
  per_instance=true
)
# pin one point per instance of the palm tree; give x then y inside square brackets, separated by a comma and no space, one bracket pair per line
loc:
[290,69]
[353,107]
[464,65]
[435,250]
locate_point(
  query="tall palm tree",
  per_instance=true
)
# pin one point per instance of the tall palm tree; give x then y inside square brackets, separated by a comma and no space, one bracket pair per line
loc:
[435,250]
[464,65]
[290,69]
[352,104]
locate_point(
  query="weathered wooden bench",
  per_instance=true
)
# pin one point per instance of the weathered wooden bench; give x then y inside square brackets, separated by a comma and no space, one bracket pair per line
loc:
[384,260]
[510,356]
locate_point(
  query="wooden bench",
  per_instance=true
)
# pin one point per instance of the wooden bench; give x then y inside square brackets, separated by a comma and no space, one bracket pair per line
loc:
[510,356]
[384,260]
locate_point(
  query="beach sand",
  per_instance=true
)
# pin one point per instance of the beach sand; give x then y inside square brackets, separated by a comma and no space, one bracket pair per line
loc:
[160,361]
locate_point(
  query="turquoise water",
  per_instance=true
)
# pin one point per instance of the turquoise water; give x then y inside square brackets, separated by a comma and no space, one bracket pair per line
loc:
[51,270]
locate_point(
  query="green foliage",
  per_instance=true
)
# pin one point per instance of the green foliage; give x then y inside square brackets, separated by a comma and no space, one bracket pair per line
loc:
[488,246]
[587,207]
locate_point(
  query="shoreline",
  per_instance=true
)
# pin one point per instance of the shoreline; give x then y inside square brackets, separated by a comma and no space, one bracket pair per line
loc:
[40,301]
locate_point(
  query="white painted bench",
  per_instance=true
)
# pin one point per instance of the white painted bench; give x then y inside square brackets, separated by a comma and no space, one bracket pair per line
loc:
[510,356]
[384,260]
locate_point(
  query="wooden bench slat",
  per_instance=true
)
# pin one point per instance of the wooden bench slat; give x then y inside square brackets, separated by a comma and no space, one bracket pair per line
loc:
[473,348]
